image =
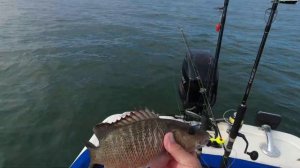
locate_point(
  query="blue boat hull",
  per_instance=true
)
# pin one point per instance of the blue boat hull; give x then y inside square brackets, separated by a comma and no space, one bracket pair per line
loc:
[207,160]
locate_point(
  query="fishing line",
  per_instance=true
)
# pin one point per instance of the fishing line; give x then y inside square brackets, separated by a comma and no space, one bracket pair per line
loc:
[225,118]
[267,14]
[232,158]
[176,98]
[211,72]
[175,90]
[205,163]
[200,83]
[188,91]
[219,43]
[234,131]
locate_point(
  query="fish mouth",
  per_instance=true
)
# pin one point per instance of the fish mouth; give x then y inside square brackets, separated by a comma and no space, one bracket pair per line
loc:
[200,145]
[198,149]
[205,141]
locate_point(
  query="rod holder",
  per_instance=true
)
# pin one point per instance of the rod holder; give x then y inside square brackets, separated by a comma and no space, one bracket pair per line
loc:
[269,148]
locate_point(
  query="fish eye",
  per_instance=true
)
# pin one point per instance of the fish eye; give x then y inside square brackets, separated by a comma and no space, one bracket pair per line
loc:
[192,130]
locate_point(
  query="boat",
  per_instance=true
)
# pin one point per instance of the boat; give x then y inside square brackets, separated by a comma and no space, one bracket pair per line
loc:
[233,143]
[288,1]
[274,148]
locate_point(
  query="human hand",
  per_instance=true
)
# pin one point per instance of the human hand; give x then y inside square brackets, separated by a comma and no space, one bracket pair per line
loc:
[179,157]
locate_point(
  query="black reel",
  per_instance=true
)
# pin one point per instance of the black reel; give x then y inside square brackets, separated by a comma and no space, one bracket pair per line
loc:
[254,154]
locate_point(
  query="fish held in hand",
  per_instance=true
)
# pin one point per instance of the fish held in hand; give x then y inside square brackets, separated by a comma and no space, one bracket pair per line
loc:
[137,139]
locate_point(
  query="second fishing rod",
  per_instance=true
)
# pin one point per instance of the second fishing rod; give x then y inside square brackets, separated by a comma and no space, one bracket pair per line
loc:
[234,132]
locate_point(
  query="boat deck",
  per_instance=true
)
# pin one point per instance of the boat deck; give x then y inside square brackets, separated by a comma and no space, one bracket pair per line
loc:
[287,144]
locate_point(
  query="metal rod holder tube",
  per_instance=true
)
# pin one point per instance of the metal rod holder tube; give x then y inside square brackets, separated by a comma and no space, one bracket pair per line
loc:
[269,148]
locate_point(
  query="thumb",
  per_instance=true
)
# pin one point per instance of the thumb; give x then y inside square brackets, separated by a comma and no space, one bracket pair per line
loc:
[178,153]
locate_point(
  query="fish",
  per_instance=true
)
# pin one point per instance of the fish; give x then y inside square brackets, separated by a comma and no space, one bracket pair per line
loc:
[137,139]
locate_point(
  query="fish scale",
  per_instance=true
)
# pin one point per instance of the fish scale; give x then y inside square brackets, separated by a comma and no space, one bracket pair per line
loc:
[127,143]
[137,139]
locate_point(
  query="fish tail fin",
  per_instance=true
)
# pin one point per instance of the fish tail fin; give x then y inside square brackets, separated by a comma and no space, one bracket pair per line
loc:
[92,149]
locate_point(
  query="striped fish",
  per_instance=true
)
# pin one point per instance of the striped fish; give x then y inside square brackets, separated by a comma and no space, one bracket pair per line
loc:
[137,139]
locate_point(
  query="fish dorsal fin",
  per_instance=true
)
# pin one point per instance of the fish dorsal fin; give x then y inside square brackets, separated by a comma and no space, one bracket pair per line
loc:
[135,116]
[102,129]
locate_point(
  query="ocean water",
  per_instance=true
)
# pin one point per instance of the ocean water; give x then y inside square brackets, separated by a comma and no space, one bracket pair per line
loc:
[65,65]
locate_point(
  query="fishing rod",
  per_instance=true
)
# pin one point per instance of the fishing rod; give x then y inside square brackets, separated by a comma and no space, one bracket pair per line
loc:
[219,43]
[209,90]
[202,89]
[234,132]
